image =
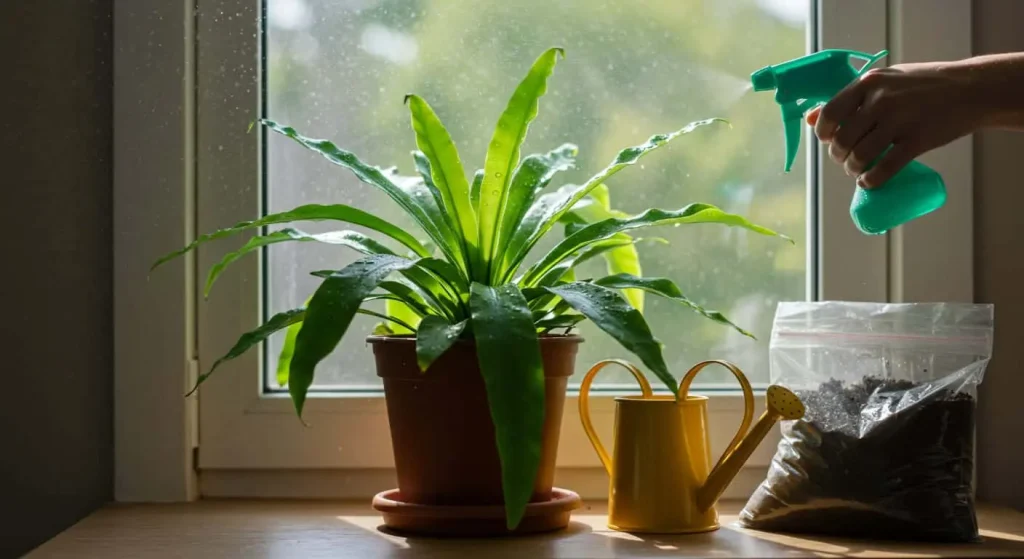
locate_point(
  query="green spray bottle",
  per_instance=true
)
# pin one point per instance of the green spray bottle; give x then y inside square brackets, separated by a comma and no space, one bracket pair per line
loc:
[804,83]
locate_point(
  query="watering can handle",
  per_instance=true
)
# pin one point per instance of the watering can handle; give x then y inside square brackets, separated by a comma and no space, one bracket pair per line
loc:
[588,427]
[748,400]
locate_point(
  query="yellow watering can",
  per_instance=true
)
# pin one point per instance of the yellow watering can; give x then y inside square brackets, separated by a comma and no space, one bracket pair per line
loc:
[661,475]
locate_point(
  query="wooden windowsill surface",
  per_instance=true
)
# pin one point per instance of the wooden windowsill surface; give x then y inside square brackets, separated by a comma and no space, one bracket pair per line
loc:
[310,529]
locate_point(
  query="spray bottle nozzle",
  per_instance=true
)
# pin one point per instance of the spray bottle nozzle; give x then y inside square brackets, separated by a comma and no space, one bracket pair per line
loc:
[763,79]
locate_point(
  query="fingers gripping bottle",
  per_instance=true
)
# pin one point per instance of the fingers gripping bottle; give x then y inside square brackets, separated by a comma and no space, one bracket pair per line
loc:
[804,83]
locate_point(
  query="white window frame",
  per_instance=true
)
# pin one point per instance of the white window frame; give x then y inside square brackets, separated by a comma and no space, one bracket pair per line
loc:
[172,179]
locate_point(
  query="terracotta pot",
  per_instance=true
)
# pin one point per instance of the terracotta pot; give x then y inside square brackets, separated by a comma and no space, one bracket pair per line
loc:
[441,428]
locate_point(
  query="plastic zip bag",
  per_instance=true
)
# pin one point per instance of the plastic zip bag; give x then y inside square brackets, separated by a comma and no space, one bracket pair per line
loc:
[886,449]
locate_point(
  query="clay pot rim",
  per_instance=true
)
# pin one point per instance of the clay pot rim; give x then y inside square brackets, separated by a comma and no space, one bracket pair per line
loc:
[406,339]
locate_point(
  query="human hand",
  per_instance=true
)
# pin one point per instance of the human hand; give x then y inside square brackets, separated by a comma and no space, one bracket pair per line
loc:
[912,107]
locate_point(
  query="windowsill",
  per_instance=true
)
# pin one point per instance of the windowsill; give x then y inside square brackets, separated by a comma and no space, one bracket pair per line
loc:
[307,529]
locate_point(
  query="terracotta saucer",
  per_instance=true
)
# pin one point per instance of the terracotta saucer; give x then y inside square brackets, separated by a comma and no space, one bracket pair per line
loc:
[473,520]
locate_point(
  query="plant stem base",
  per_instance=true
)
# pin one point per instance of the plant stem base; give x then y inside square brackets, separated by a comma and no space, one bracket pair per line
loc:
[474,520]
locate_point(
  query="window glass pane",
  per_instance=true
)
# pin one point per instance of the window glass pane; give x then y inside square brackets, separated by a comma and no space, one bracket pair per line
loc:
[340,70]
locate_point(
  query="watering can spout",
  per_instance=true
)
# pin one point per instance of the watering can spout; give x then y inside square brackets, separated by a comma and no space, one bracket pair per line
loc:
[781,404]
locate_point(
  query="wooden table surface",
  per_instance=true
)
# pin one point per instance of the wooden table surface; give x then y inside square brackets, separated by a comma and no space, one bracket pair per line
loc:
[311,529]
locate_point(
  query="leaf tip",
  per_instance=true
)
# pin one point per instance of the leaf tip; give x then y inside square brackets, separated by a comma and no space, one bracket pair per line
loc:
[198,382]
[300,403]
[514,517]
[405,100]
[171,256]
[298,400]
[560,51]
[784,237]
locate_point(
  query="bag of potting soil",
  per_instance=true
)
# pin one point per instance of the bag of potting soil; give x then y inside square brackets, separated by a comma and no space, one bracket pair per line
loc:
[886,448]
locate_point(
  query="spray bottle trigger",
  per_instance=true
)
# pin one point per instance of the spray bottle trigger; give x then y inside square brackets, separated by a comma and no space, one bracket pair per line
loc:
[793,126]
[869,60]
[792,121]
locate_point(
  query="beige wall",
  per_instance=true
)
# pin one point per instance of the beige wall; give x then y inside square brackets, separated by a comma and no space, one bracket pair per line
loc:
[999,272]
[56,280]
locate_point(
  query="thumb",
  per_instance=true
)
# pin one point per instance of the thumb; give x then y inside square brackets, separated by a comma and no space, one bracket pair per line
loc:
[812,115]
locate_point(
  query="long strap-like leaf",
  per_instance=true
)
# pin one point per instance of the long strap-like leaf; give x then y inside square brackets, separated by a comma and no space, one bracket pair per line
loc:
[439,298]
[412,196]
[668,289]
[448,176]
[559,321]
[284,358]
[617,242]
[410,296]
[351,239]
[474,189]
[311,212]
[330,313]
[503,151]
[401,313]
[548,209]
[627,157]
[245,341]
[382,297]
[393,319]
[556,272]
[533,174]
[623,259]
[510,362]
[694,213]
[434,337]
[435,290]
[427,174]
[611,313]
[453,249]
[532,227]
[447,272]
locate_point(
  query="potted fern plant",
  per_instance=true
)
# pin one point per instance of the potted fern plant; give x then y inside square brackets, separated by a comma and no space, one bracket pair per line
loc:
[475,386]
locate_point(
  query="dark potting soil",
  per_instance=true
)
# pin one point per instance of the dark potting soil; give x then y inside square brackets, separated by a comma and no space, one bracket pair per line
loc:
[882,459]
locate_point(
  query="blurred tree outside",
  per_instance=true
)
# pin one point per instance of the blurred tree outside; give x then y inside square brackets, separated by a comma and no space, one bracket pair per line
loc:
[339,69]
